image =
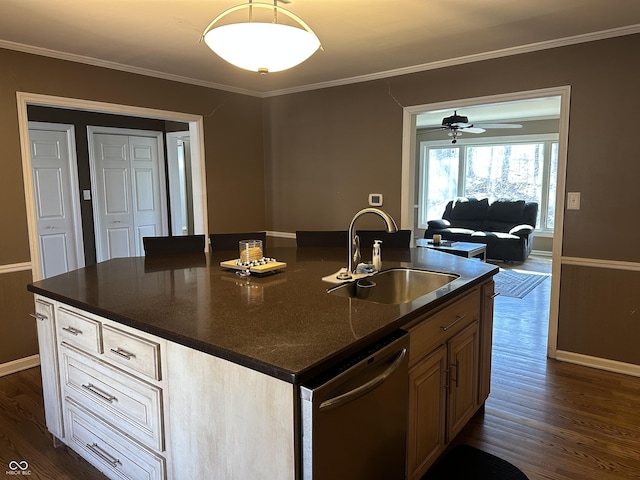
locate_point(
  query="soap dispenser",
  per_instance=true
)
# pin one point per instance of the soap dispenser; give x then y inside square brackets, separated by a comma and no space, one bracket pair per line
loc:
[377,256]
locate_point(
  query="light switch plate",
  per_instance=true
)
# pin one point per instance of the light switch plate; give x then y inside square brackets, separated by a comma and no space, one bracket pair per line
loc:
[375,199]
[573,201]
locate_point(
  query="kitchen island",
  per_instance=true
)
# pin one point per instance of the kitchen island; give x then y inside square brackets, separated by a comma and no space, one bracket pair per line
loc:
[219,358]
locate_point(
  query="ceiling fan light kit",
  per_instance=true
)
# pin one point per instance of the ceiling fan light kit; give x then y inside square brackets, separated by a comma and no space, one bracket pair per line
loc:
[260,46]
[456,124]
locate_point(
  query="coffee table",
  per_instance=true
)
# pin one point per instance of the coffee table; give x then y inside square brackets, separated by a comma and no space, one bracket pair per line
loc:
[461,249]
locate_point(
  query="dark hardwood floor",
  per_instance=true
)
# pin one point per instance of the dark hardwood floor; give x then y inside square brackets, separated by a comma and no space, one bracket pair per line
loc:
[24,436]
[555,421]
[552,419]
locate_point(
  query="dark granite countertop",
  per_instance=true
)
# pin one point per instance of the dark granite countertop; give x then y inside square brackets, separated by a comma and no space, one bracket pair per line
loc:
[284,324]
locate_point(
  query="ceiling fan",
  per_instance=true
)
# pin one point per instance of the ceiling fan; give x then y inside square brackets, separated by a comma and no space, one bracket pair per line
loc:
[457,124]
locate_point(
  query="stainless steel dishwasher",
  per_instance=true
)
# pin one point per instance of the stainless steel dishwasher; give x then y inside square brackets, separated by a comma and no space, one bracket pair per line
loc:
[354,418]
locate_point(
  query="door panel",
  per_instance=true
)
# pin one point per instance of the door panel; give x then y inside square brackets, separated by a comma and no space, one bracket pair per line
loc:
[148,190]
[463,363]
[116,191]
[56,201]
[129,193]
[118,242]
[53,249]
[111,196]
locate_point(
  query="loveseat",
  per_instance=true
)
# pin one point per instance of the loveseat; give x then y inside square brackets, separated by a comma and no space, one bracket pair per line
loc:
[505,226]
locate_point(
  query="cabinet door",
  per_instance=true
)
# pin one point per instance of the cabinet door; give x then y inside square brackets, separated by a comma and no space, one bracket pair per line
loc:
[486,335]
[463,378]
[49,366]
[427,404]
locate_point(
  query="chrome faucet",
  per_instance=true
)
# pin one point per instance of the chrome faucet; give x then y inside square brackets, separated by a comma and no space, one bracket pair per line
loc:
[354,240]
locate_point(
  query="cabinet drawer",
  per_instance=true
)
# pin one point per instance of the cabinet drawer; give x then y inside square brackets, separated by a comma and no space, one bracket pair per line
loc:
[131,404]
[108,450]
[438,328]
[134,352]
[79,331]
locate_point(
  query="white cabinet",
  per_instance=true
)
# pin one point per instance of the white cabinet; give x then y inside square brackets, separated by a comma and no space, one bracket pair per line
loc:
[139,407]
[47,344]
[135,405]
[104,391]
[227,421]
[79,330]
[105,447]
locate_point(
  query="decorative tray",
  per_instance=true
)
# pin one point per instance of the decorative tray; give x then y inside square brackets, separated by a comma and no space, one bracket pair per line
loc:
[263,266]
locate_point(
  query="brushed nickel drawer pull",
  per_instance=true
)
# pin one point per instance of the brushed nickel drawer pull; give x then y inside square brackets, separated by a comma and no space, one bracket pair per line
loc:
[103,455]
[458,318]
[123,353]
[72,331]
[495,295]
[38,316]
[100,393]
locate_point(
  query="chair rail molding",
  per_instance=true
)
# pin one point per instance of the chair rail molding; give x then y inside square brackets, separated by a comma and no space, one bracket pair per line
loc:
[15,267]
[599,263]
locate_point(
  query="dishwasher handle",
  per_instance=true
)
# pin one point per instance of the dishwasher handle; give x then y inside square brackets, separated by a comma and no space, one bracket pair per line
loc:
[365,387]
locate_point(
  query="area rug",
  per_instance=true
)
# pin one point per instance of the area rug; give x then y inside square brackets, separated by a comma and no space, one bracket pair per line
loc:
[468,463]
[510,283]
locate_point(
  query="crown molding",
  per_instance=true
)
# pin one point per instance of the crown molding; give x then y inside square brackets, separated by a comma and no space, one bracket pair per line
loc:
[45,52]
[505,52]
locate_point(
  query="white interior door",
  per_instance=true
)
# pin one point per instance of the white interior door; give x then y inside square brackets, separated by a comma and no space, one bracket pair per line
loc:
[57,204]
[128,193]
[148,190]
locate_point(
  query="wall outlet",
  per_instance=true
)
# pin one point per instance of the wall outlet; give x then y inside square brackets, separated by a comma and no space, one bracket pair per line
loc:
[573,201]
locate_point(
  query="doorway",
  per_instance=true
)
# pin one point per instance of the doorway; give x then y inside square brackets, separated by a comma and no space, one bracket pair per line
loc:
[128,190]
[409,191]
[179,173]
[195,129]
[56,197]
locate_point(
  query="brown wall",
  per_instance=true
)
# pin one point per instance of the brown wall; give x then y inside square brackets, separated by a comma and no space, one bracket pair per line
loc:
[17,329]
[341,143]
[328,149]
[600,300]
[233,146]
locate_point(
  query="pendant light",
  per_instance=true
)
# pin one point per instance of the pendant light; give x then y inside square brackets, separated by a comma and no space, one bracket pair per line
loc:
[261,47]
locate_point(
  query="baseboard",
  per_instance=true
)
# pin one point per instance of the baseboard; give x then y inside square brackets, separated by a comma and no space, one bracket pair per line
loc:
[599,363]
[18,365]
[542,253]
[271,233]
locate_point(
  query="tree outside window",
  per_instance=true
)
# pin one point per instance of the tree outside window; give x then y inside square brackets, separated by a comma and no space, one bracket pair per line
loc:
[513,171]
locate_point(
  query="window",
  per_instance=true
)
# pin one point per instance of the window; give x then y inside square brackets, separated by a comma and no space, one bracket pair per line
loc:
[517,168]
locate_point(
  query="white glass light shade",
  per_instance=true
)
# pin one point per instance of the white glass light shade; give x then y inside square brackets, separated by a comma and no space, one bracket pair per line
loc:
[262,47]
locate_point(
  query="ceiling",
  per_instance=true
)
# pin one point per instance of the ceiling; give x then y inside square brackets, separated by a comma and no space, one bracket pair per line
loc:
[362,39]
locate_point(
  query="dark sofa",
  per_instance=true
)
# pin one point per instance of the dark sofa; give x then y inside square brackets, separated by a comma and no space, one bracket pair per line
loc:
[505,226]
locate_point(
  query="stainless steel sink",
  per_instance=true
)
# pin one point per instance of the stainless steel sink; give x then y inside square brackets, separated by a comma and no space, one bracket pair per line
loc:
[397,285]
